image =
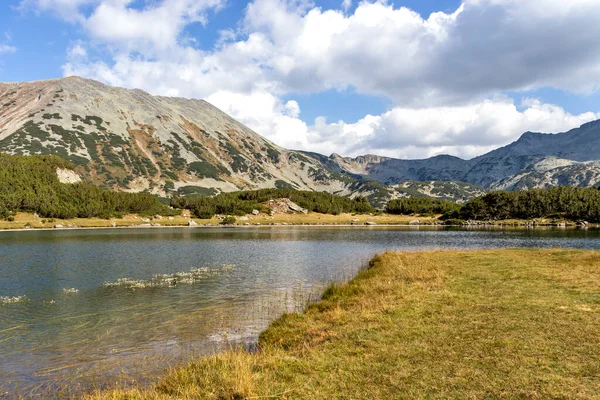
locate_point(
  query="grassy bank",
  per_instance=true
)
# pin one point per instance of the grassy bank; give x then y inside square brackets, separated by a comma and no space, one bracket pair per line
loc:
[480,324]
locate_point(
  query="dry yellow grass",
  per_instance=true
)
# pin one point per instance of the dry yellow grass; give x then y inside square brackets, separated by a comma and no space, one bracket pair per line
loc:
[446,324]
[22,220]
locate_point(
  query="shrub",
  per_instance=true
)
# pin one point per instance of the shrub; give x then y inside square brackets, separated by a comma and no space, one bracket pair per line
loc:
[229,220]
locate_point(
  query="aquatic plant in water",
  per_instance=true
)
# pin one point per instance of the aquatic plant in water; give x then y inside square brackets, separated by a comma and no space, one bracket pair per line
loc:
[12,300]
[190,277]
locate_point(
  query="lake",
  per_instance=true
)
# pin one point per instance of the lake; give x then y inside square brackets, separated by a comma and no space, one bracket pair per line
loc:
[82,309]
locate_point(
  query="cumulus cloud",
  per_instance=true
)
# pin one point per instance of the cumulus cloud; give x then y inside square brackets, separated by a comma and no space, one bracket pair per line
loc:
[465,131]
[444,73]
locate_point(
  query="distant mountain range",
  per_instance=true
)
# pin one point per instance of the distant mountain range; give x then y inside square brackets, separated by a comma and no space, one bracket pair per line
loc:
[129,140]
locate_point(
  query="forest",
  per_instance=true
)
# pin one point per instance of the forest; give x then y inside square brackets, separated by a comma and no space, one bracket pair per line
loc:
[30,183]
[421,206]
[566,202]
[243,202]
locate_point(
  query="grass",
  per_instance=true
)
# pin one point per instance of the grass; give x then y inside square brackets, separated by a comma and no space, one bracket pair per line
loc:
[341,219]
[23,219]
[446,324]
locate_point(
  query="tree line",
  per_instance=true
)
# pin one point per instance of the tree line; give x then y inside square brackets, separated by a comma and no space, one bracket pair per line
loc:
[557,202]
[420,205]
[31,184]
[244,202]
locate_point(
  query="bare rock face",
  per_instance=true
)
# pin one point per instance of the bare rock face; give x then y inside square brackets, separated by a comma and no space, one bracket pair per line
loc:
[67,176]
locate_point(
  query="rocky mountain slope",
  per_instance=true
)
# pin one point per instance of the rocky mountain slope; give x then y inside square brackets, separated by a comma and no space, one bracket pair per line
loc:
[129,140]
[536,160]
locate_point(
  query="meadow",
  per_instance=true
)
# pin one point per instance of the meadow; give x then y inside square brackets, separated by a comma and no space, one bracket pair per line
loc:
[442,324]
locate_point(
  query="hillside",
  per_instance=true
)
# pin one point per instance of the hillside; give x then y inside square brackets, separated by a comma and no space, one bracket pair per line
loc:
[132,141]
[535,160]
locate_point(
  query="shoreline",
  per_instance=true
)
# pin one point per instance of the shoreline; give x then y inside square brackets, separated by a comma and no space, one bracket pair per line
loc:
[365,337]
[29,222]
[261,226]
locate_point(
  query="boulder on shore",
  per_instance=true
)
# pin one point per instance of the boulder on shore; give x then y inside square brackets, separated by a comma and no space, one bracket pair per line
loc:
[191,222]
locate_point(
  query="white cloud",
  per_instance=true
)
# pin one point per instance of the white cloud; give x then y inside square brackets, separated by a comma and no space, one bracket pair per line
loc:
[153,28]
[77,52]
[444,73]
[68,10]
[346,4]
[4,48]
[465,131]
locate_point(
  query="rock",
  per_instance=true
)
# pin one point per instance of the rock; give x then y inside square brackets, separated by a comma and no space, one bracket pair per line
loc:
[371,223]
[113,224]
[67,176]
[295,207]
[191,222]
[145,225]
[145,220]
[255,212]
[244,218]
[171,218]
[414,222]
[158,217]
[36,215]
[58,226]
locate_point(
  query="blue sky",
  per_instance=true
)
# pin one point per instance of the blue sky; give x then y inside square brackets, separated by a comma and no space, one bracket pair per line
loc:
[385,77]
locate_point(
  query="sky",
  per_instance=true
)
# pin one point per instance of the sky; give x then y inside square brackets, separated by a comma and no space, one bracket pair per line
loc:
[406,79]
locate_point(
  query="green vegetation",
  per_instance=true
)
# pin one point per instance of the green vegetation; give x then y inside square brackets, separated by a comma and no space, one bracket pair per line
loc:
[240,203]
[30,183]
[51,116]
[229,220]
[195,191]
[562,202]
[514,324]
[420,205]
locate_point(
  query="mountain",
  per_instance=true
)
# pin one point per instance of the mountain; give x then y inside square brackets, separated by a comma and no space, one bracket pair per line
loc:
[130,140]
[133,141]
[535,160]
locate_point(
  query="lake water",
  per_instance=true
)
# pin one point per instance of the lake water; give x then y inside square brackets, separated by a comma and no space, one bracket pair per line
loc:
[86,308]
